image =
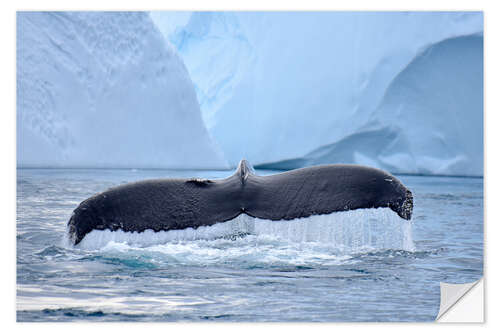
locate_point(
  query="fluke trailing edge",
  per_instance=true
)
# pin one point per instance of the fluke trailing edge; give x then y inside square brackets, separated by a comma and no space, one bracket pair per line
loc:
[170,204]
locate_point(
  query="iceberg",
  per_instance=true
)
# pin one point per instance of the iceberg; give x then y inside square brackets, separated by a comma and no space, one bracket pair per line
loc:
[105,89]
[401,91]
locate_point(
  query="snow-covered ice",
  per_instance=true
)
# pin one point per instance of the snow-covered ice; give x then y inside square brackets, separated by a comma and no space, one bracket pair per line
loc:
[104,89]
[398,90]
[402,91]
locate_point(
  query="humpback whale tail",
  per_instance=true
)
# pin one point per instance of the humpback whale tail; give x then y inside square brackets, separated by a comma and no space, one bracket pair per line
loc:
[173,204]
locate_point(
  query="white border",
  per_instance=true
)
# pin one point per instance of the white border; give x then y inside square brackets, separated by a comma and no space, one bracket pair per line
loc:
[8,199]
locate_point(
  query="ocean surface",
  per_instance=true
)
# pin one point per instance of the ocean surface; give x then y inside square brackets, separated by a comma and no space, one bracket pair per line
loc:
[365,265]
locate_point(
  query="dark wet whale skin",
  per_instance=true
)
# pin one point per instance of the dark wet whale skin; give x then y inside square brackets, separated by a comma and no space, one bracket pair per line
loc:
[170,204]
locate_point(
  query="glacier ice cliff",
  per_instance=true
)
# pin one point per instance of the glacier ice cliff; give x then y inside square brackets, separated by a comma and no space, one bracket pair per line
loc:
[398,90]
[104,89]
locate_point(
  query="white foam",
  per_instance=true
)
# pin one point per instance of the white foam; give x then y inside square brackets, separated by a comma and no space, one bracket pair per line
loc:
[350,231]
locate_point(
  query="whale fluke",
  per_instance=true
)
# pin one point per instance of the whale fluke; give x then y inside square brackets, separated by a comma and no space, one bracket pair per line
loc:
[172,204]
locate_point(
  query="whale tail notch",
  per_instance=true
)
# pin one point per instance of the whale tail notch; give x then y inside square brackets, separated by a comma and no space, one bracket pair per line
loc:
[244,170]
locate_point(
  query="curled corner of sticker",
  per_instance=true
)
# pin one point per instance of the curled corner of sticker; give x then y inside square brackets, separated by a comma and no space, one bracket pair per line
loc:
[462,303]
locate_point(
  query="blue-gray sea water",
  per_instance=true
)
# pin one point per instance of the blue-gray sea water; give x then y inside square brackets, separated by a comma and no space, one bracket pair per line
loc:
[350,268]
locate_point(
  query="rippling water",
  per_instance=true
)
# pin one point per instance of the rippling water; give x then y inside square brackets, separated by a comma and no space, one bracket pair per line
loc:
[365,265]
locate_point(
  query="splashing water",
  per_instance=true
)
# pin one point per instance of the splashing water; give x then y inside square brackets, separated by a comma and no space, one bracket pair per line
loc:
[321,239]
[349,231]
